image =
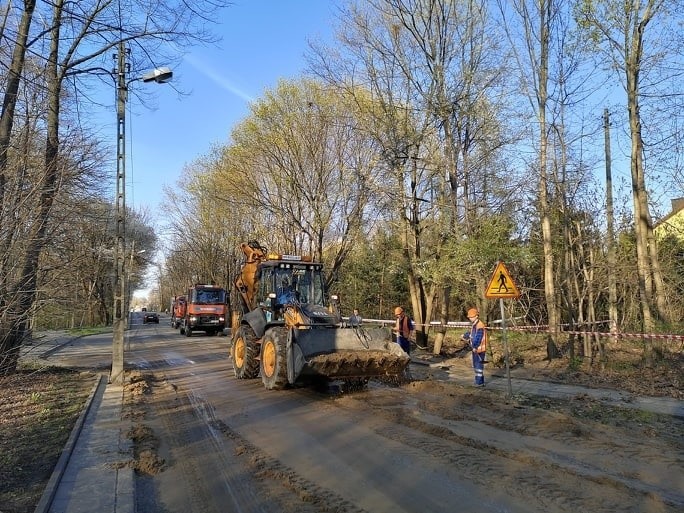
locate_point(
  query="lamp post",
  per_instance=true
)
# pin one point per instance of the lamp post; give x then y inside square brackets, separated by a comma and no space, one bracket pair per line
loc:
[159,75]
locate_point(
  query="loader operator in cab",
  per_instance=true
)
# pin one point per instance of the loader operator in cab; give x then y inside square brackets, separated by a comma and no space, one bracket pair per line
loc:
[286,292]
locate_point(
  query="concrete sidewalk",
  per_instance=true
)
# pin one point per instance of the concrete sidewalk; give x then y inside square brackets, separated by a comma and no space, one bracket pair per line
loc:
[93,473]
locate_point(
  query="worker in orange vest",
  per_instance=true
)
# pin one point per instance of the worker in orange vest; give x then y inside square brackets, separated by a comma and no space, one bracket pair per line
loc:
[477,338]
[403,328]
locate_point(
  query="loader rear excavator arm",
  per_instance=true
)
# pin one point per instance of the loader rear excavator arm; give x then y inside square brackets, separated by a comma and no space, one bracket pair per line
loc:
[246,282]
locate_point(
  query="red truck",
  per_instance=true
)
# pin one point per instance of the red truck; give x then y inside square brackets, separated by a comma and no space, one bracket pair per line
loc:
[177,311]
[206,308]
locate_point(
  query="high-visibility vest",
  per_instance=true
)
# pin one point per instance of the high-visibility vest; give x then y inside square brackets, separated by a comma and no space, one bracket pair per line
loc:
[404,326]
[483,343]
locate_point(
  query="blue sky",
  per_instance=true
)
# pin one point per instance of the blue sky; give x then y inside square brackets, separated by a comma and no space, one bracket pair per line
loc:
[262,42]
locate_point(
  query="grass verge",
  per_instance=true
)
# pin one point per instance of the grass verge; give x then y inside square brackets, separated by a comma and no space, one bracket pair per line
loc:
[38,409]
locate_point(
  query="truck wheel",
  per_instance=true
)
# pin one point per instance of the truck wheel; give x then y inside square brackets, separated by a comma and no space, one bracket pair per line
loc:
[245,354]
[274,359]
[188,331]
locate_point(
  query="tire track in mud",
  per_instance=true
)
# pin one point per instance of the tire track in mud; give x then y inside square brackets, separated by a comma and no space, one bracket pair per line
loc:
[174,430]
[204,456]
[199,445]
[554,480]
[265,467]
[427,424]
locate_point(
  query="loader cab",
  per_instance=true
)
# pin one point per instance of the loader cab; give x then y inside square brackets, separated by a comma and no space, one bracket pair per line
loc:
[287,282]
[310,284]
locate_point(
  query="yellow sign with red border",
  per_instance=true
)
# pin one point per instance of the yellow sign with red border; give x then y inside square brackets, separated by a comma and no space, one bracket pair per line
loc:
[501,285]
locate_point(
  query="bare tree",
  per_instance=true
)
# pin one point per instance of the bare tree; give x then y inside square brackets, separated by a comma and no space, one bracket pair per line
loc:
[301,161]
[622,31]
[536,19]
[70,43]
[432,69]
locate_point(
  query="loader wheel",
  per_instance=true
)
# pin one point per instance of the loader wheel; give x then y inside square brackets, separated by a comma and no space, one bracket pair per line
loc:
[245,354]
[274,359]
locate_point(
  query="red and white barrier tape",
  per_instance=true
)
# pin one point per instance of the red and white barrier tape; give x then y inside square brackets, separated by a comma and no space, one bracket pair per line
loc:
[659,336]
[545,328]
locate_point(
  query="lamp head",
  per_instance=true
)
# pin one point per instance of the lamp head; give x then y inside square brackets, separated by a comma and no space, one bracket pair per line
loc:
[159,75]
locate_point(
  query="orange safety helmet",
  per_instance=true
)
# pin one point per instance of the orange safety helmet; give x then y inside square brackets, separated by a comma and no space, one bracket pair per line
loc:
[473,313]
[398,310]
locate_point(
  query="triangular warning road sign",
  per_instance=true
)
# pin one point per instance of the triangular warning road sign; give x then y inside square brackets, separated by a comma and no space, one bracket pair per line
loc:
[501,285]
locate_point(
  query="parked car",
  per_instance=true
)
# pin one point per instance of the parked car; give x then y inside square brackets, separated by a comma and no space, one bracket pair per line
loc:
[151,317]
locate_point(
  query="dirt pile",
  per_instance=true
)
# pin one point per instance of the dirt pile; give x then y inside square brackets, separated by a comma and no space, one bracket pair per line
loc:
[146,459]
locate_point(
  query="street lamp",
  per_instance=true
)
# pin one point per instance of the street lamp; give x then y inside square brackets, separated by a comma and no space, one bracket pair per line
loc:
[159,75]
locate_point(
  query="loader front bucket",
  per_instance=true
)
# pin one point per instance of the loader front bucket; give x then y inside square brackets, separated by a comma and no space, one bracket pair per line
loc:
[345,353]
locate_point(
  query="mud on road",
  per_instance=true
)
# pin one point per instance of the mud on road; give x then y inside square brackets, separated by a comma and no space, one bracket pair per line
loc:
[210,443]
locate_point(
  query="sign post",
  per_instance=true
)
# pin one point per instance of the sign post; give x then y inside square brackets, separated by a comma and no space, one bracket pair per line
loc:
[502,286]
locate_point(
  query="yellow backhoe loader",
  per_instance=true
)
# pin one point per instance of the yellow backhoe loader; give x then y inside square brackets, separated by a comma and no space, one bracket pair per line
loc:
[286,328]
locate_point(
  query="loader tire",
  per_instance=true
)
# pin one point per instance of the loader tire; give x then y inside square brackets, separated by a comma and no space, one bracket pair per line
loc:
[245,354]
[274,359]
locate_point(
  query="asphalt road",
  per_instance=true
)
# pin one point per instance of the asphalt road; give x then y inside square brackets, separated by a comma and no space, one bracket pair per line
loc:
[347,459]
[232,445]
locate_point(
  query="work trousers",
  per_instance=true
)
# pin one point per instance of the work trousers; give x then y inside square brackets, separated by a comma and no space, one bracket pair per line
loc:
[478,365]
[404,343]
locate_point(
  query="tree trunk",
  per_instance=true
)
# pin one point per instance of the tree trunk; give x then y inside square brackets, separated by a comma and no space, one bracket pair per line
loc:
[9,102]
[13,302]
[547,242]
[643,274]
[14,329]
[443,319]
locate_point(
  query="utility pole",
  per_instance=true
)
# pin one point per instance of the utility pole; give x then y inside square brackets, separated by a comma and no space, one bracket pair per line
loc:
[160,76]
[611,257]
[117,373]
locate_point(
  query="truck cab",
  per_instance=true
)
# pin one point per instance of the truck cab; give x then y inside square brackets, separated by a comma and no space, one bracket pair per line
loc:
[205,310]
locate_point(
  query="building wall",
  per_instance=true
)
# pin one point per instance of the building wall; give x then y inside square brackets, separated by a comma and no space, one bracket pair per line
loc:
[673,223]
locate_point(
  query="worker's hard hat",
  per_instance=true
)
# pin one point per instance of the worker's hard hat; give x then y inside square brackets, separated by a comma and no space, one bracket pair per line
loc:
[398,310]
[473,312]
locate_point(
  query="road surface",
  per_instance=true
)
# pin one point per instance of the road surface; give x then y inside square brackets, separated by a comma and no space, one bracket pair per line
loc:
[207,442]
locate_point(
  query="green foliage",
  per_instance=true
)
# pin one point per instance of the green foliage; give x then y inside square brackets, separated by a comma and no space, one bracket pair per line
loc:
[584,15]
[465,262]
[374,278]
[575,363]
[321,166]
